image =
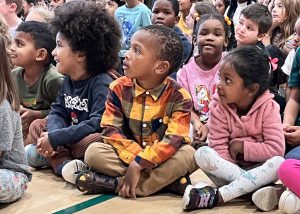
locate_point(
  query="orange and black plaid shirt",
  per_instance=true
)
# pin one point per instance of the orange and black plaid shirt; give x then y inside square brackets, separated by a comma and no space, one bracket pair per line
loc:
[147,126]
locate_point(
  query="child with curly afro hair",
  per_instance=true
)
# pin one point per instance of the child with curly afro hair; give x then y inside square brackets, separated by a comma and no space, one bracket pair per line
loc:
[87,45]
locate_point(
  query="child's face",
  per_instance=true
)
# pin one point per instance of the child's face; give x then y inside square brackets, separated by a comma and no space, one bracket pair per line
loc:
[111,7]
[4,8]
[297,34]
[211,38]
[220,6]
[190,19]
[64,56]
[246,32]
[278,11]
[184,5]
[55,3]
[26,7]
[142,57]
[163,14]
[23,51]
[230,87]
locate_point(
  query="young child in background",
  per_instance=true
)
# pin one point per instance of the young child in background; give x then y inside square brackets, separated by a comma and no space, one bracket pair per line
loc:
[287,67]
[184,8]
[200,75]
[10,9]
[146,123]
[245,132]
[39,14]
[37,80]
[196,12]
[291,119]
[86,49]
[253,25]
[165,12]
[27,6]
[221,6]
[14,172]
[131,17]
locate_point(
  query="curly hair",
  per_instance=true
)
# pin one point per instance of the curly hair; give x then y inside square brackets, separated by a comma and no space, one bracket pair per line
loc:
[170,45]
[90,30]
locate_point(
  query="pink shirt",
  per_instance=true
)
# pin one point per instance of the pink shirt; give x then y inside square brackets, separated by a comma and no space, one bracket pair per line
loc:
[260,130]
[200,84]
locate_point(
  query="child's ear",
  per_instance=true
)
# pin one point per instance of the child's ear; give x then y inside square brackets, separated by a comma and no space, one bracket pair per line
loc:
[42,54]
[253,89]
[81,57]
[162,67]
[13,7]
[261,36]
[177,19]
[194,40]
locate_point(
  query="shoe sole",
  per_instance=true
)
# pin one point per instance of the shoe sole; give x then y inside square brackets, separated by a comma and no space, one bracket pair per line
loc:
[71,167]
[265,199]
[186,196]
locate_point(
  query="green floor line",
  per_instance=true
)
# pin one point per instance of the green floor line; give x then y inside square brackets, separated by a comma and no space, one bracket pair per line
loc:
[85,204]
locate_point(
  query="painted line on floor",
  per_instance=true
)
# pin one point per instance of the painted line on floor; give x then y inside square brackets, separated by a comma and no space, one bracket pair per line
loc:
[86,204]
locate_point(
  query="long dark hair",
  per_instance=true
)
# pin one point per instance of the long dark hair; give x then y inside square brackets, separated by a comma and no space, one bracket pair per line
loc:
[8,88]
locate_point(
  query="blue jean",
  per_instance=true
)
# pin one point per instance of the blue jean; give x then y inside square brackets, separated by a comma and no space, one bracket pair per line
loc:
[293,153]
[35,159]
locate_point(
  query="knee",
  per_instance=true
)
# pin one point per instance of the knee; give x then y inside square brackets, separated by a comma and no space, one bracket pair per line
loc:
[92,155]
[34,159]
[293,154]
[202,154]
[286,168]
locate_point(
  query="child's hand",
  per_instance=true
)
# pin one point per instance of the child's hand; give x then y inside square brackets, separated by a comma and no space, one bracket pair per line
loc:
[200,131]
[43,145]
[130,181]
[236,147]
[292,135]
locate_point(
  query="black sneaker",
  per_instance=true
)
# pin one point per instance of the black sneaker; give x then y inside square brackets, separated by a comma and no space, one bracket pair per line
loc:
[90,182]
[178,187]
[200,198]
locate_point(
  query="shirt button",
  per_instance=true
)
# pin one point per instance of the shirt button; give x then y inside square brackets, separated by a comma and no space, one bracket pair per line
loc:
[146,107]
[144,144]
[160,120]
[147,92]
[144,125]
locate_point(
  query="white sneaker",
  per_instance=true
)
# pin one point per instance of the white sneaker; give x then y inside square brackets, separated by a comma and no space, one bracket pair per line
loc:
[71,169]
[266,198]
[289,203]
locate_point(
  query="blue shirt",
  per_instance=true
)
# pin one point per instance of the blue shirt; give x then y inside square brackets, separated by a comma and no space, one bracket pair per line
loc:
[130,21]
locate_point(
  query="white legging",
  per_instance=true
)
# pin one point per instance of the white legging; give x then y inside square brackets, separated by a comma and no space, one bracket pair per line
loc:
[237,180]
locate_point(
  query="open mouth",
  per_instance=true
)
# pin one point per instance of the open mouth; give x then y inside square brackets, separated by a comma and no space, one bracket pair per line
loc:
[125,65]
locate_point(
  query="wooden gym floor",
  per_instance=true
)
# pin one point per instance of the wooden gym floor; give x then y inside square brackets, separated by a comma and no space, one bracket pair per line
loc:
[50,194]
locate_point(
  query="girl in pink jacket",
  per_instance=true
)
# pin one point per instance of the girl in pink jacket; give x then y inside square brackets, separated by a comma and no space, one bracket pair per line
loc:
[246,141]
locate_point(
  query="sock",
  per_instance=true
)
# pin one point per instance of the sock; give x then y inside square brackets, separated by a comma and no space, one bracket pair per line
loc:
[58,169]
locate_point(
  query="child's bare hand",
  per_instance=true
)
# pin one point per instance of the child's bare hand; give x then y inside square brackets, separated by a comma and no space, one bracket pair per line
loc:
[130,181]
[43,145]
[292,135]
[236,147]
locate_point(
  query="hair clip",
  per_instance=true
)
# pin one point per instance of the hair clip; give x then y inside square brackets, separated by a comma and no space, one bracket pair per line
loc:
[227,20]
[273,62]
[196,16]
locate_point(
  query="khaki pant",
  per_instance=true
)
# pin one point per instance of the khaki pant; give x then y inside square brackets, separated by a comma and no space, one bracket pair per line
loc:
[104,159]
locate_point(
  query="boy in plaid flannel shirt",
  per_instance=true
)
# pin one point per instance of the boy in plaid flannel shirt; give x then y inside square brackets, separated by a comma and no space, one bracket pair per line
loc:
[145,124]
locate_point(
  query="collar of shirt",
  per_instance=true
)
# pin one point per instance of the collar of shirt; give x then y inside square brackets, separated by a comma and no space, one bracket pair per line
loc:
[155,93]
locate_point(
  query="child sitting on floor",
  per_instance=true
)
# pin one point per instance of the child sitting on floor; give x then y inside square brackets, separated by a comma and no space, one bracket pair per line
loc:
[145,124]
[86,50]
[245,132]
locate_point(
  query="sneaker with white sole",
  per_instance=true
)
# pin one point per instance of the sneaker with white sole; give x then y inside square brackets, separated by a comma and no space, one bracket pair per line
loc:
[71,169]
[289,202]
[266,198]
[200,198]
